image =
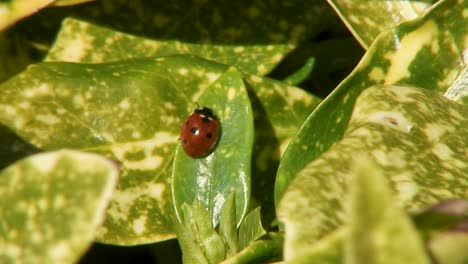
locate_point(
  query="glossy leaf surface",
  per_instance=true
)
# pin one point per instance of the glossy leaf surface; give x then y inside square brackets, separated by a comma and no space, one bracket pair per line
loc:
[416,137]
[52,204]
[427,52]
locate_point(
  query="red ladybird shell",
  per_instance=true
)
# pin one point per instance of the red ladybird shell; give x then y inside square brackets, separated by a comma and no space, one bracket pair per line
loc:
[200,133]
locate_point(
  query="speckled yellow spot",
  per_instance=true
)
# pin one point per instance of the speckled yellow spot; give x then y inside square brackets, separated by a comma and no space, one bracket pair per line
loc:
[44,163]
[150,160]
[211,76]
[410,45]
[47,119]
[139,224]
[443,152]
[377,74]
[231,94]
[124,104]
[75,49]
[239,49]
[182,71]
[41,90]
[60,250]
[78,100]
[256,79]
[261,68]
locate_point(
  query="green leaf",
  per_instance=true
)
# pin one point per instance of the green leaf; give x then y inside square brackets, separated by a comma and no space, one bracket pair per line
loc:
[228,225]
[132,111]
[301,74]
[250,229]
[52,204]
[366,19]
[191,249]
[14,10]
[212,179]
[128,110]
[380,232]
[415,136]
[328,250]
[78,41]
[221,22]
[432,46]
[264,250]
[198,221]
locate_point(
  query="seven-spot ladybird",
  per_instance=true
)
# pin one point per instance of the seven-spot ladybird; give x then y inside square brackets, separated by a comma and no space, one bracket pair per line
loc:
[200,133]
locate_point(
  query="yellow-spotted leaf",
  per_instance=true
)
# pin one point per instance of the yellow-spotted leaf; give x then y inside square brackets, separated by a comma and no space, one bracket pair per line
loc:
[217,22]
[128,110]
[52,203]
[212,179]
[14,10]
[132,111]
[379,231]
[429,52]
[267,31]
[416,137]
[78,41]
[367,19]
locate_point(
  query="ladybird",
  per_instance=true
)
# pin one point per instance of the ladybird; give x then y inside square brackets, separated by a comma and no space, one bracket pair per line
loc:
[200,132]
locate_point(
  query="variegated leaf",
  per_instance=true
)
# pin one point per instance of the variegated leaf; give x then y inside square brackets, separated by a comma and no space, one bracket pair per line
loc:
[52,203]
[367,19]
[416,137]
[132,111]
[429,52]
[222,22]
[379,231]
[78,41]
[128,110]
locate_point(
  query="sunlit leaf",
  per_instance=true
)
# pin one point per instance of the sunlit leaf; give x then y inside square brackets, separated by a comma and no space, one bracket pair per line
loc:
[78,41]
[132,111]
[52,204]
[128,110]
[379,231]
[366,19]
[427,52]
[416,137]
